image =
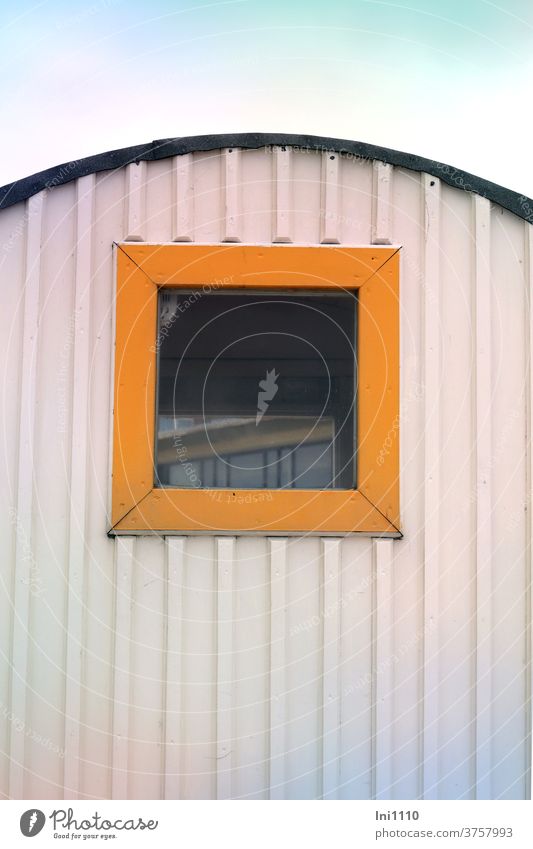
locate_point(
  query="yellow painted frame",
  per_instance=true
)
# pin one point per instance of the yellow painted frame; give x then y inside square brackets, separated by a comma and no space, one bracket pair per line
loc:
[139,507]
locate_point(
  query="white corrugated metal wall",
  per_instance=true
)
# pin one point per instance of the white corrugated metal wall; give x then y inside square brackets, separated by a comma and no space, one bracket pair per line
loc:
[252,667]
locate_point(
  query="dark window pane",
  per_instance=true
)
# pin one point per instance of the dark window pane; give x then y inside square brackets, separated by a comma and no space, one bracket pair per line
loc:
[256,390]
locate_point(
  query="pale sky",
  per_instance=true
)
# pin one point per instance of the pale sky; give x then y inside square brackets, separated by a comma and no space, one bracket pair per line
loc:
[448,79]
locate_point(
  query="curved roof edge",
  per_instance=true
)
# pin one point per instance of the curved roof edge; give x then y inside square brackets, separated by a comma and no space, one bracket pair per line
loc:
[161,149]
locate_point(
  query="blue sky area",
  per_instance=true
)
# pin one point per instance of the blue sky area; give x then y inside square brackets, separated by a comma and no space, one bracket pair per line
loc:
[444,79]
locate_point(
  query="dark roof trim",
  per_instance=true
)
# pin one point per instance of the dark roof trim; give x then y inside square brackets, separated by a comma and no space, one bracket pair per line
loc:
[25,188]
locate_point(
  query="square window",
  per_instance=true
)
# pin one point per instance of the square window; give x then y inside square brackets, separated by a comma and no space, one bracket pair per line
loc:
[256,390]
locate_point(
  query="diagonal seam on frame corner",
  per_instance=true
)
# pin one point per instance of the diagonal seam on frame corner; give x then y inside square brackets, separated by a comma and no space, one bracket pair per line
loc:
[381,513]
[119,246]
[130,510]
[383,264]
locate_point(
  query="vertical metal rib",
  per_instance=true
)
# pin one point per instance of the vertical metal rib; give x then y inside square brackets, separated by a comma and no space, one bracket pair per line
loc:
[331,669]
[225,559]
[330,200]
[382,204]
[282,195]
[383,673]
[135,203]
[528,232]
[23,518]
[483,453]
[175,547]
[278,634]
[78,484]
[232,194]
[124,565]
[183,199]
[432,371]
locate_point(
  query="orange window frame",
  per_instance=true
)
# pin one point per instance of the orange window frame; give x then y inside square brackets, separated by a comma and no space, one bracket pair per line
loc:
[371,508]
